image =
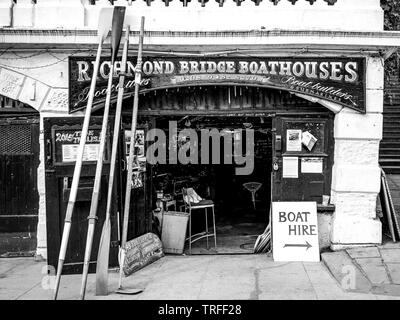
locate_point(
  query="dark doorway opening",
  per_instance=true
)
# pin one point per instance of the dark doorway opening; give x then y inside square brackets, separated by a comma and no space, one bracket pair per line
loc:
[239,219]
[19,160]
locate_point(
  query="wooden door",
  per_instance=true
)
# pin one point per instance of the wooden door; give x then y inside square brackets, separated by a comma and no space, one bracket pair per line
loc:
[19,198]
[314,167]
[61,144]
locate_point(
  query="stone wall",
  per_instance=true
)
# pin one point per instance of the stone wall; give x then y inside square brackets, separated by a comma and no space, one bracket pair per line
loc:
[354,15]
[356,172]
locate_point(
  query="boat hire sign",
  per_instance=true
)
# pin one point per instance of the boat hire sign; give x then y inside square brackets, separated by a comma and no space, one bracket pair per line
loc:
[339,80]
[295,231]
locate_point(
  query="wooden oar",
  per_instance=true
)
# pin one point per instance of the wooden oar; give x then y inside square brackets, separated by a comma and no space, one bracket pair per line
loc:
[130,160]
[103,28]
[99,168]
[104,247]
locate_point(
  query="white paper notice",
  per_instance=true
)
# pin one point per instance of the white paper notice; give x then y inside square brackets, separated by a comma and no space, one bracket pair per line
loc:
[290,167]
[312,165]
[295,231]
[308,140]
[293,140]
[70,152]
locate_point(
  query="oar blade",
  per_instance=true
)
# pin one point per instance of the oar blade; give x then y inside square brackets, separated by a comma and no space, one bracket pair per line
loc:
[116,30]
[104,23]
[102,260]
[130,291]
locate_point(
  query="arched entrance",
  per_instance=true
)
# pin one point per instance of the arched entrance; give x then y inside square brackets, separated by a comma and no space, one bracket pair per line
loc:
[224,108]
[274,117]
[19,160]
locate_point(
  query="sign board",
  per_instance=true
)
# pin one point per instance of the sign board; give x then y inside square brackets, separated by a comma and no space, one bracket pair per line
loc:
[295,231]
[312,165]
[70,152]
[290,167]
[340,80]
[66,141]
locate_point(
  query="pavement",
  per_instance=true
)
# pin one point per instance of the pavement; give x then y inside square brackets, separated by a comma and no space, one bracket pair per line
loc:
[206,277]
[374,269]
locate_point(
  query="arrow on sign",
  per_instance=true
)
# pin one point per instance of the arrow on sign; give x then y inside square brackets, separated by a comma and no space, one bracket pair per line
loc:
[306,245]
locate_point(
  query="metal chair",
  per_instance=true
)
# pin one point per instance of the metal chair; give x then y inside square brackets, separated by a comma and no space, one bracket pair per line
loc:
[189,207]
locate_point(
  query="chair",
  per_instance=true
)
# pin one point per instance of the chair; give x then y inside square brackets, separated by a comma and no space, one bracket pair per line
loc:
[189,207]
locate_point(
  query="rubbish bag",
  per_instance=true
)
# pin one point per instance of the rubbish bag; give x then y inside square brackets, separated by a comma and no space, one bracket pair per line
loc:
[141,252]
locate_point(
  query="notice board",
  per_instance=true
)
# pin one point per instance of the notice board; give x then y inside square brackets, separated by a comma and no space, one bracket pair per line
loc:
[295,231]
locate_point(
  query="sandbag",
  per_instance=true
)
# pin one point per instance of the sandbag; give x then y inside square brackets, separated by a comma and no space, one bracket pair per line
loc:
[140,252]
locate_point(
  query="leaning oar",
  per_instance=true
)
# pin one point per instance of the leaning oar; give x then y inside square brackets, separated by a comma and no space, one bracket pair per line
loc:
[130,162]
[99,168]
[104,247]
[104,26]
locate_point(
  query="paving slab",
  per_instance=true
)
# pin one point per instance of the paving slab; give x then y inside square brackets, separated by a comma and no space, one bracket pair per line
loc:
[365,252]
[390,255]
[322,281]
[374,269]
[390,245]
[394,271]
[386,297]
[343,269]
[289,279]
[387,289]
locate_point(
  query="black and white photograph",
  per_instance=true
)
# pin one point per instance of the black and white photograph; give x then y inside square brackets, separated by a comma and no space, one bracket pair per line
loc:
[205,157]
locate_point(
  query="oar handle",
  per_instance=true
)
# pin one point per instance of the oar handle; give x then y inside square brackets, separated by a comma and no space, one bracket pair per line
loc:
[133,133]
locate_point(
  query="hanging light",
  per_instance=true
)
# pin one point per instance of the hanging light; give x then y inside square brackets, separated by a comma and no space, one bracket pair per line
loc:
[187,122]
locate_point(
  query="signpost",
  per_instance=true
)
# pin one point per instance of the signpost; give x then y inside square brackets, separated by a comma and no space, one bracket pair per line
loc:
[295,231]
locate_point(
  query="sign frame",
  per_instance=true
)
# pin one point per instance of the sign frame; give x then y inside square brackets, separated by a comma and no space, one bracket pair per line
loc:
[295,247]
[310,83]
[57,145]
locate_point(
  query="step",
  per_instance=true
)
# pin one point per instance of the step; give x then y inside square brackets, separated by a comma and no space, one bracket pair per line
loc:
[389,150]
[391,129]
[391,126]
[391,107]
[391,112]
[386,153]
[394,143]
[390,138]
[391,101]
[389,144]
[390,162]
[383,154]
[391,169]
[389,158]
